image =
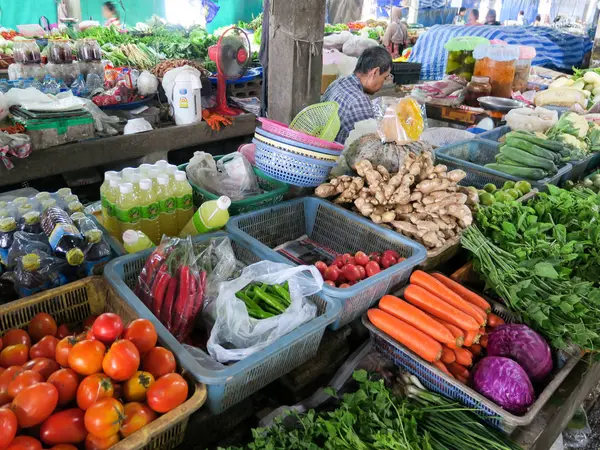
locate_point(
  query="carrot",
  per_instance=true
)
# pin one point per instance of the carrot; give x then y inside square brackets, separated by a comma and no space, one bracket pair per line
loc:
[417,341]
[434,305]
[476,349]
[463,380]
[465,293]
[415,317]
[458,334]
[494,320]
[440,365]
[480,333]
[470,336]
[426,281]
[463,357]
[458,370]
[483,340]
[448,355]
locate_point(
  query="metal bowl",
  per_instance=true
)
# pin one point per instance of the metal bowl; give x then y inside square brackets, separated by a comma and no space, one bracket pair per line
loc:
[500,104]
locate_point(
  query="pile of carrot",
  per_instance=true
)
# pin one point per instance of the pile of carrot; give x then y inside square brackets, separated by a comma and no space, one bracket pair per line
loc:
[440,320]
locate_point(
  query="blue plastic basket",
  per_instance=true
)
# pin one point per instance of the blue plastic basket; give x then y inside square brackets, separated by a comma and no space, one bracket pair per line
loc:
[230,384]
[298,144]
[495,134]
[339,230]
[291,168]
[472,155]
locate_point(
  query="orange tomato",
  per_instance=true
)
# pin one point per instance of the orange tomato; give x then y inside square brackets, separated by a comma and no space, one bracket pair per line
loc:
[66,383]
[86,357]
[63,348]
[167,393]
[95,443]
[122,360]
[63,447]
[45,366]
[137,416]
[136,387]
[64,427]
[92,389]
[23,380]
[15,336]
[159,361]
[8,425]
[103,419]
[34,404]
[42,325]
[142,333]
[14,355]
[5,379]
[45,348]
[24,443]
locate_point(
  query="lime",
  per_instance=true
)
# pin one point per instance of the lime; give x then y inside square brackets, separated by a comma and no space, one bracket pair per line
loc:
[503,197]
[508,185]
[489,188]
[487,199]
[523,187]
[597,183]
[514,193]
[480,192]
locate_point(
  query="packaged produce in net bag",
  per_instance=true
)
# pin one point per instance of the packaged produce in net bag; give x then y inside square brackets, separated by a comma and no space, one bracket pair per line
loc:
[266,302]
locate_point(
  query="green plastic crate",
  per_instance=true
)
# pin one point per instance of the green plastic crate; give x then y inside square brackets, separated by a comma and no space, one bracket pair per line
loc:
[274,193]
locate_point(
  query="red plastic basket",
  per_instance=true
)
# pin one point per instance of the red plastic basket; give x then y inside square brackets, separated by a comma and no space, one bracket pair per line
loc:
[281,129]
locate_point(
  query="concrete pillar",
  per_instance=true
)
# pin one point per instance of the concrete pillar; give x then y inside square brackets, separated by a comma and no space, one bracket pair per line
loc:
[295,56]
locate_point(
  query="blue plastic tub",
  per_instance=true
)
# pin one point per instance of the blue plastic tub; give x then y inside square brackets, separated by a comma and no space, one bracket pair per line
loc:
[339,230]
[230,384]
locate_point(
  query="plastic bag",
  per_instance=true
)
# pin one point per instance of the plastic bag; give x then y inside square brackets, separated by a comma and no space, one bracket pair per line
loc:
[147,83]
[38,271]
[578,432]
[356,45]
[232,175]
[236,335]
[24,243]
[337,40]
[400,120]
[536,120]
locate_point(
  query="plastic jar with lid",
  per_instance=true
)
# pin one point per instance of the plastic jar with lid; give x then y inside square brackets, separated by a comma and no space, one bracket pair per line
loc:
[523,67]
[27,52]
[460,55]
[477,87]
[497,62]
[59,51]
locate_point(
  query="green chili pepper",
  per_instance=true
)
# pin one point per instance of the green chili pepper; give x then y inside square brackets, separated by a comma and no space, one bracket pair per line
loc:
[259,314]
[269,299]
[247,300]
[283,293]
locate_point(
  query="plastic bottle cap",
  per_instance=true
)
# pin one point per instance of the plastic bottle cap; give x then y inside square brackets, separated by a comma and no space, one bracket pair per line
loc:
[93,236]
[48,203]
[163,179]
[128,171]
[223,202]
[63,192]
[71,198]
[145,184]
[114,182]
[153,173]
[75,206]
[130,237]
[126,188]
[135,178]
[31,262]
[171,169]
[75,256]
[31,217]
[42,195]
[20,200]
[144,168]
[7,224]
[162,164]
[76,216]
[180,175]
[110,174]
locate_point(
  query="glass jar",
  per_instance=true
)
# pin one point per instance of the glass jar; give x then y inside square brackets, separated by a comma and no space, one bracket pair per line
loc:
[460,55]
[477,87]
[59,51]
[523,68]
[497,62]
[27,52]
[88,50]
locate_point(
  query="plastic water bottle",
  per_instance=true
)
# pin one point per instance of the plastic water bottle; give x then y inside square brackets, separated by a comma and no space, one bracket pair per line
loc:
[185,202]
[78,87]
[166,199]
[150,210]
[161,165]
[8,226]
[211,216]
[127,210]
[145,168]
[64,237]
[136,241]
[93,82]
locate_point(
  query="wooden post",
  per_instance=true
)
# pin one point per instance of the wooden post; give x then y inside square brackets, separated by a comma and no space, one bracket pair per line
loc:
[295,56]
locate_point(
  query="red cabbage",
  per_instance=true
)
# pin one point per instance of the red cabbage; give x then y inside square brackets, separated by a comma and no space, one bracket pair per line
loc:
[525,346]
[503,381]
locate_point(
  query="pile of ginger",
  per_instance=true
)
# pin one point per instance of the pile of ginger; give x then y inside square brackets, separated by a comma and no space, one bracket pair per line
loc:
[422,201]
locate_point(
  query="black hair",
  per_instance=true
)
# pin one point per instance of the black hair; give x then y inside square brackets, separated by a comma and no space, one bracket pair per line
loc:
[475,13]
[373,58]
[112,8]
[491,12]
[538,18]
[462,9]
[522,12]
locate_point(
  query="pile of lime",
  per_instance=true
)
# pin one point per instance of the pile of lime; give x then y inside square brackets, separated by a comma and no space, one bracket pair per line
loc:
[510,192]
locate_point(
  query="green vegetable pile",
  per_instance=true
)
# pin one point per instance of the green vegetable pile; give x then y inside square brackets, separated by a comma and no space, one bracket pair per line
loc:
[374,418]
[335,28]
[265,301]
[572,131]
[591,182]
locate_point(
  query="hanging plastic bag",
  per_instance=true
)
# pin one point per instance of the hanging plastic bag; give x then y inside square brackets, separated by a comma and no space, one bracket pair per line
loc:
[236,335]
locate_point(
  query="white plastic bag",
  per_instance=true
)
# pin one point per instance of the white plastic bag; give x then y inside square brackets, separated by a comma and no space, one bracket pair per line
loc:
[336,40]
[236,335]
[526,119]
[356,45]
[147,83]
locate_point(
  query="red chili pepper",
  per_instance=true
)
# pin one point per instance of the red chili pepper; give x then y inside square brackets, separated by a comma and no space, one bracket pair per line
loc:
[198,301]
[165,315]
[186,280]
[159,289]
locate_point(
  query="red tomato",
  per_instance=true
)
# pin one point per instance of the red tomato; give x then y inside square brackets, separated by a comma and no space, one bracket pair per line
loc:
[119,391]
[87,323]
[63,348]
[34,404]
[372,268]
[64,447]
[93,389]
[42,325]
[107,327]
[1,344]
[104,418]
[25,443]
[137,416]
[142,333]
[330,283]
[375,256]
[347,258]
[14,355]
[351,272]
[361,258]
[321,266]
[14,337]
[86,357]
[44,366]
[95,443]
[45,348]
[8,425]
[344,286]
[159,361]
[362,271]
[392,253]
[63,331]
[66,383]
[388,261]
[332,273]
[23,380]
[65,427]
[338,262]
[122,360]
[167,393]
[5,379]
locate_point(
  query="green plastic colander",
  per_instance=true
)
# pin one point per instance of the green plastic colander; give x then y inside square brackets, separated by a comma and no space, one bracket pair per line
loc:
[320,120]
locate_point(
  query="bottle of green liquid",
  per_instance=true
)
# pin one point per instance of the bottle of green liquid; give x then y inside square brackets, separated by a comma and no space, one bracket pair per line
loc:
[211,216]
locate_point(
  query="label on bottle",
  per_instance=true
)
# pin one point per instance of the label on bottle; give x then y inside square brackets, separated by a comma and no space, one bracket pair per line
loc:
[185,202]
[4,256]
[150,211]
[108,206]
[131,215]
[200,225]
[61,230]
[168,205]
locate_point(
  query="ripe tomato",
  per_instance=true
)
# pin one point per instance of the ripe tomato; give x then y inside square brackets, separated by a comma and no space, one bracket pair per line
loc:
[8,425]
[86,357]
[42,325]
[329,283]
[375,256]
[64,447]
[45,348]
[332,273]
[45,366]
[122,360]
[1,344]
[66,383]
[137,416]
[118,391]
[65,427]
[95,443]
[107,327]
[93,389]
[344,286]
[14,337]
[338,262]
[347,258]
[167,393]
[372,268]
[351,272]
[388,261]
[63,331]
[391,253]
[87,323]
[321,266]
[142,333]
[104,418]
[25,443]
[159,361]
[362,271]
[14,355]
[361,258]
[34,404]
[63,348]
[23,380]
[5,379]
[136,387]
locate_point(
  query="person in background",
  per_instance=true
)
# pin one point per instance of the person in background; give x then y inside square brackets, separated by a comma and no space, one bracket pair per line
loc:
[473,17]
[110,13]
[459,19]
[490,19]
[395,38]
[538,21]
[351,92]
[521,20]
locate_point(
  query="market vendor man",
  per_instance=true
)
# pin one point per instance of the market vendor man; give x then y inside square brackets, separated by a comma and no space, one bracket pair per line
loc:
[352,92]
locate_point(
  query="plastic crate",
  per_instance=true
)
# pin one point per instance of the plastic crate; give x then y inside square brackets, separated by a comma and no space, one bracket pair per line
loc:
[338,230]
[230,384]
[495,134]
[406,72]
[472,155]
[274,193]
[75,302]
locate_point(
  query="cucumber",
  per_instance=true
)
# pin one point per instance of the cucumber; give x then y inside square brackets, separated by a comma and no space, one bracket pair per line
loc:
[528,159]
[503,159]
[528,147]
[525,172]
[548,144]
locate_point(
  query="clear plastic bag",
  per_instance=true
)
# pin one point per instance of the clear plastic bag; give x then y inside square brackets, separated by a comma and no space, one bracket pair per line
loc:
[356,45]
[578,432]
[232,175]
[38,271]
[235,335]
[24,243]
[536,120]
